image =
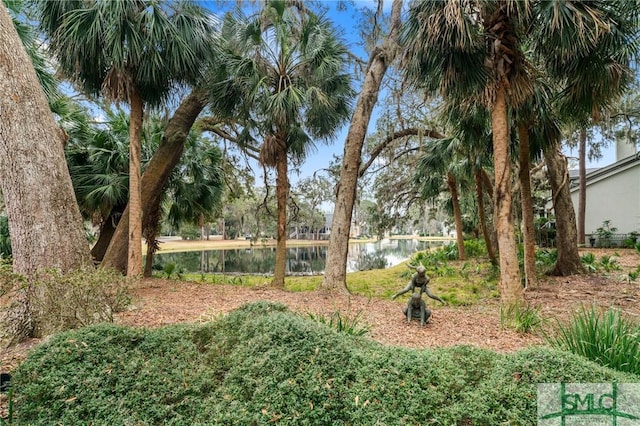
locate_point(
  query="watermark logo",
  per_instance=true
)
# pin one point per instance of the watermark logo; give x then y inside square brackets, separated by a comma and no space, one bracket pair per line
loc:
[592,404]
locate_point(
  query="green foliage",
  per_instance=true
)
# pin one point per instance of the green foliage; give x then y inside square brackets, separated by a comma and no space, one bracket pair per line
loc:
[546,258]
[606,263]
[171,268]
[262,364]
[53,302]
[189,231]
[343,323]
[589,262]
[521,318]
[633,275]
[607,338]
[5,238]
[9,280]
[630,242]
[609,263]
[368,261]
[475,248]
[605,233]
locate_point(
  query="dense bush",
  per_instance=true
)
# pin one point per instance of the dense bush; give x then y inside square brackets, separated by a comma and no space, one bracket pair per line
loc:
[263,364]
[52,301]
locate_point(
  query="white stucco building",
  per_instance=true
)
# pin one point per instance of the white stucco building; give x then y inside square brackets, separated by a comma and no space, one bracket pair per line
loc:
[613,193]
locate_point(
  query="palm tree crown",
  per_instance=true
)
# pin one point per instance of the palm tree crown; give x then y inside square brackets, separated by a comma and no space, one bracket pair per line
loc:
[110,47]
[287,78]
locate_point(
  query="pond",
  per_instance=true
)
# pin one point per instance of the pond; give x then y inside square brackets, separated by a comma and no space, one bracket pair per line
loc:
[307,260]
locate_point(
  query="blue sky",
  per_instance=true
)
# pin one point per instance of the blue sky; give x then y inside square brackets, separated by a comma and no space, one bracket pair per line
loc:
[347,21]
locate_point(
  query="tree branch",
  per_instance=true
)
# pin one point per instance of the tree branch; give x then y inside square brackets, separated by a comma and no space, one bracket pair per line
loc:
[391,138]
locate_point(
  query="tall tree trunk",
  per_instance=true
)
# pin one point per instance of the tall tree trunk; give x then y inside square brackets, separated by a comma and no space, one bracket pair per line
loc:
[488,241]
[568,262]
[582,170]
[44,218]
[453,189]
[510,286]
[527,207]
[282,194]
[134,254]
[336,270]
[156,174]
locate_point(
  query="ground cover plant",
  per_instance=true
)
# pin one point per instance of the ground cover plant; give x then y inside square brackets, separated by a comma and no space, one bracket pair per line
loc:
[264,364]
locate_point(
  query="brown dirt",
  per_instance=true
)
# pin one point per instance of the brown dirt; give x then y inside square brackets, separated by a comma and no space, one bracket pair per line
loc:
[159,302]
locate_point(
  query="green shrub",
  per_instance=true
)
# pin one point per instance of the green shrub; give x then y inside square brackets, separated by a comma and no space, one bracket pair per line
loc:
[609,263]
[53,302]
[262,364]
[170,268]
[589,262]
[343,323]
[607,338]
[519,317]
[546,258]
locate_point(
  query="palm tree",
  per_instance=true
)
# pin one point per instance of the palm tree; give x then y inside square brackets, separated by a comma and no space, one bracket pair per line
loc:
[471,50]
[98,160]
[471,125]
[537,127]
[288,85]
[133,52]
[196,186]
[474,49]
[441,161]
[593,45]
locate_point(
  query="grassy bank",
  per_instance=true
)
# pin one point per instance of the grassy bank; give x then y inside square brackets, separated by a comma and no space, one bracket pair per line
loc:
[458,283]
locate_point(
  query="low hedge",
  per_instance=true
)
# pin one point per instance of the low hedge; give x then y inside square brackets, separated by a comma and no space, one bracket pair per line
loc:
[263,364]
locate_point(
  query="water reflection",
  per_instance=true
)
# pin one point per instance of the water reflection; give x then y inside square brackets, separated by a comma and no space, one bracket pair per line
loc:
[306,260]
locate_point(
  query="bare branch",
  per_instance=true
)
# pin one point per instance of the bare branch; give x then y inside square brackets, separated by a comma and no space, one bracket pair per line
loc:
[391,138]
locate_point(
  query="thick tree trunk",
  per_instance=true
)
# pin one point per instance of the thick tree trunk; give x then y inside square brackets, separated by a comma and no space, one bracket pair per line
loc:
[44,219]
[336,265]
[156,174]
[107,229]
[148,261]
[511,290]
[568,262]
[453,189]
[282,194]
[527,208]
[582,170]
[149,233]
[134,253]
[488,241]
